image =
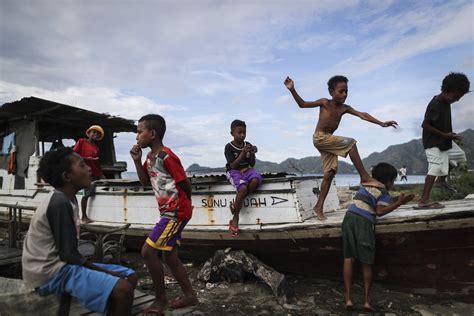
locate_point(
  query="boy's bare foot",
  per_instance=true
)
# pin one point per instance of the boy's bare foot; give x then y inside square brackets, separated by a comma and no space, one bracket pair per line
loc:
[156,308]
[349,305]
[86,220]
[370,182]
[182,302]
[369,308]
[428,206]
[319,214]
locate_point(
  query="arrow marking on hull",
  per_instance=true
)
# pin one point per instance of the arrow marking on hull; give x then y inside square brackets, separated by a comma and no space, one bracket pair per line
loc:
[277,200]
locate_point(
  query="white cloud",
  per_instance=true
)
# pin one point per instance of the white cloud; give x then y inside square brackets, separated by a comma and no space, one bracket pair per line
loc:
[202,64]
[412,33]
[102,100]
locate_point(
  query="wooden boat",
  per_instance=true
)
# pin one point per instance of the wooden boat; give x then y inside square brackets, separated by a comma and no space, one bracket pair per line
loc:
[429,247]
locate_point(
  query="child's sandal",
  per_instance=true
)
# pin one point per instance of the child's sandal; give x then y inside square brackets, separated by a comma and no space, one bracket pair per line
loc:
[233,230]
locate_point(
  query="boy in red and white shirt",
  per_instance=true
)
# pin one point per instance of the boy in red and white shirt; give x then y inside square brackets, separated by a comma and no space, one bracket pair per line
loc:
[163,171]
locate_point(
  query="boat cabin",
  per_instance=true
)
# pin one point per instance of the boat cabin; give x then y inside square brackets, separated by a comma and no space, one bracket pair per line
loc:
[31,126]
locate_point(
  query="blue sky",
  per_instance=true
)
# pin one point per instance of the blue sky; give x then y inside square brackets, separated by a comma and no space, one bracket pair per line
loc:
[202,64]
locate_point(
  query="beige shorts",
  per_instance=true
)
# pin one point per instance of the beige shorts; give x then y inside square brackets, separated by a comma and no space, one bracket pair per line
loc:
[330,146]
[439,161]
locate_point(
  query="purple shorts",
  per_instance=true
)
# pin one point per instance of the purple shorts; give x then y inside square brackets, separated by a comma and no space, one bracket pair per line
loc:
[239,180]
[166,234]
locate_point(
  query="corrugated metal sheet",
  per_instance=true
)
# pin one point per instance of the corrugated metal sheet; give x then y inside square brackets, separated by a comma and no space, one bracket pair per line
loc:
[61,119]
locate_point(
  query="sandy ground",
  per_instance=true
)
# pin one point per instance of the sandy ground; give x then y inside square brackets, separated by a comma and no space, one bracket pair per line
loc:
[313,297]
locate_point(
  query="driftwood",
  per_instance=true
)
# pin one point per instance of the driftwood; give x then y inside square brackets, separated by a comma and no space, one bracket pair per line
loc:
[233,266]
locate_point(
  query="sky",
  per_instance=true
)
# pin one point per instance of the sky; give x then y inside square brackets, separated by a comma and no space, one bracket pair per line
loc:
[202,64]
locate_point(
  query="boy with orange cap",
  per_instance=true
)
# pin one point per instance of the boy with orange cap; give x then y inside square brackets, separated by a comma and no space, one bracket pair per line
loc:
[87,148]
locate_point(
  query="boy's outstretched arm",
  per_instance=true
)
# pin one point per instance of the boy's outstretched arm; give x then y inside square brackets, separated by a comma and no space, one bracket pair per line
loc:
[302,103]
[136,153]
[402,199]
[367,117]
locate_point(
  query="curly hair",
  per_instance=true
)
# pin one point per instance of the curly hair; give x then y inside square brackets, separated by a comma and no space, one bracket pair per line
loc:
[334,81]
[384,172]
[53,164]
[455,82]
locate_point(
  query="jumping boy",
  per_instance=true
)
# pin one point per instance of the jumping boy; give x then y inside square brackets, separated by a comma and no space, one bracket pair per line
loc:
[240,156]
[438,135]
[329,145]
[358,227]
[163,171]
[87,148]
[51,261]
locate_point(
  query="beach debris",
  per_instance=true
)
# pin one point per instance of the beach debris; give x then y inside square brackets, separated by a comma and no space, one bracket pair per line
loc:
[234,266]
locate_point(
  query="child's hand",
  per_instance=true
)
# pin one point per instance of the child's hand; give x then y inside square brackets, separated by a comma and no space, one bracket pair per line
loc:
[289,83]
[405,198]
[453,136]
[136,153]
[247,148]
[389,123]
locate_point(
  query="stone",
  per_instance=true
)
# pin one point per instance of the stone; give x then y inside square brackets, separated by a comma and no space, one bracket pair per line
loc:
[321,312]
[292,307]
[234,266]
[425,291]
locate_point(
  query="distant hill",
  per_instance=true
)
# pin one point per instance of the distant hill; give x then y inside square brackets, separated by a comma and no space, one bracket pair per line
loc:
[291,165]
[195,168]
[410,154]
[305,165]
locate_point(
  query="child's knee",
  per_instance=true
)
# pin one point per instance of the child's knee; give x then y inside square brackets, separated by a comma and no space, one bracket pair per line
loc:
[256,181]
[123,291]
[243,189]
[148,252]
[328,175]
[170,257]
[133,279]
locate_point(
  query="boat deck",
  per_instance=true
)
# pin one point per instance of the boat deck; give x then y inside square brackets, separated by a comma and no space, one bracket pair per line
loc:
[404,214]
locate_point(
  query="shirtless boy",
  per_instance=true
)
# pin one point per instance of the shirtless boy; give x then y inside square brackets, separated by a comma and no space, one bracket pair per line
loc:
[329,145]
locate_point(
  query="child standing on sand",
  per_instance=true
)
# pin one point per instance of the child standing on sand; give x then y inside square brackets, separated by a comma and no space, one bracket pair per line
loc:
[358,227]
[240,156]
[329,145]
[163,171]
